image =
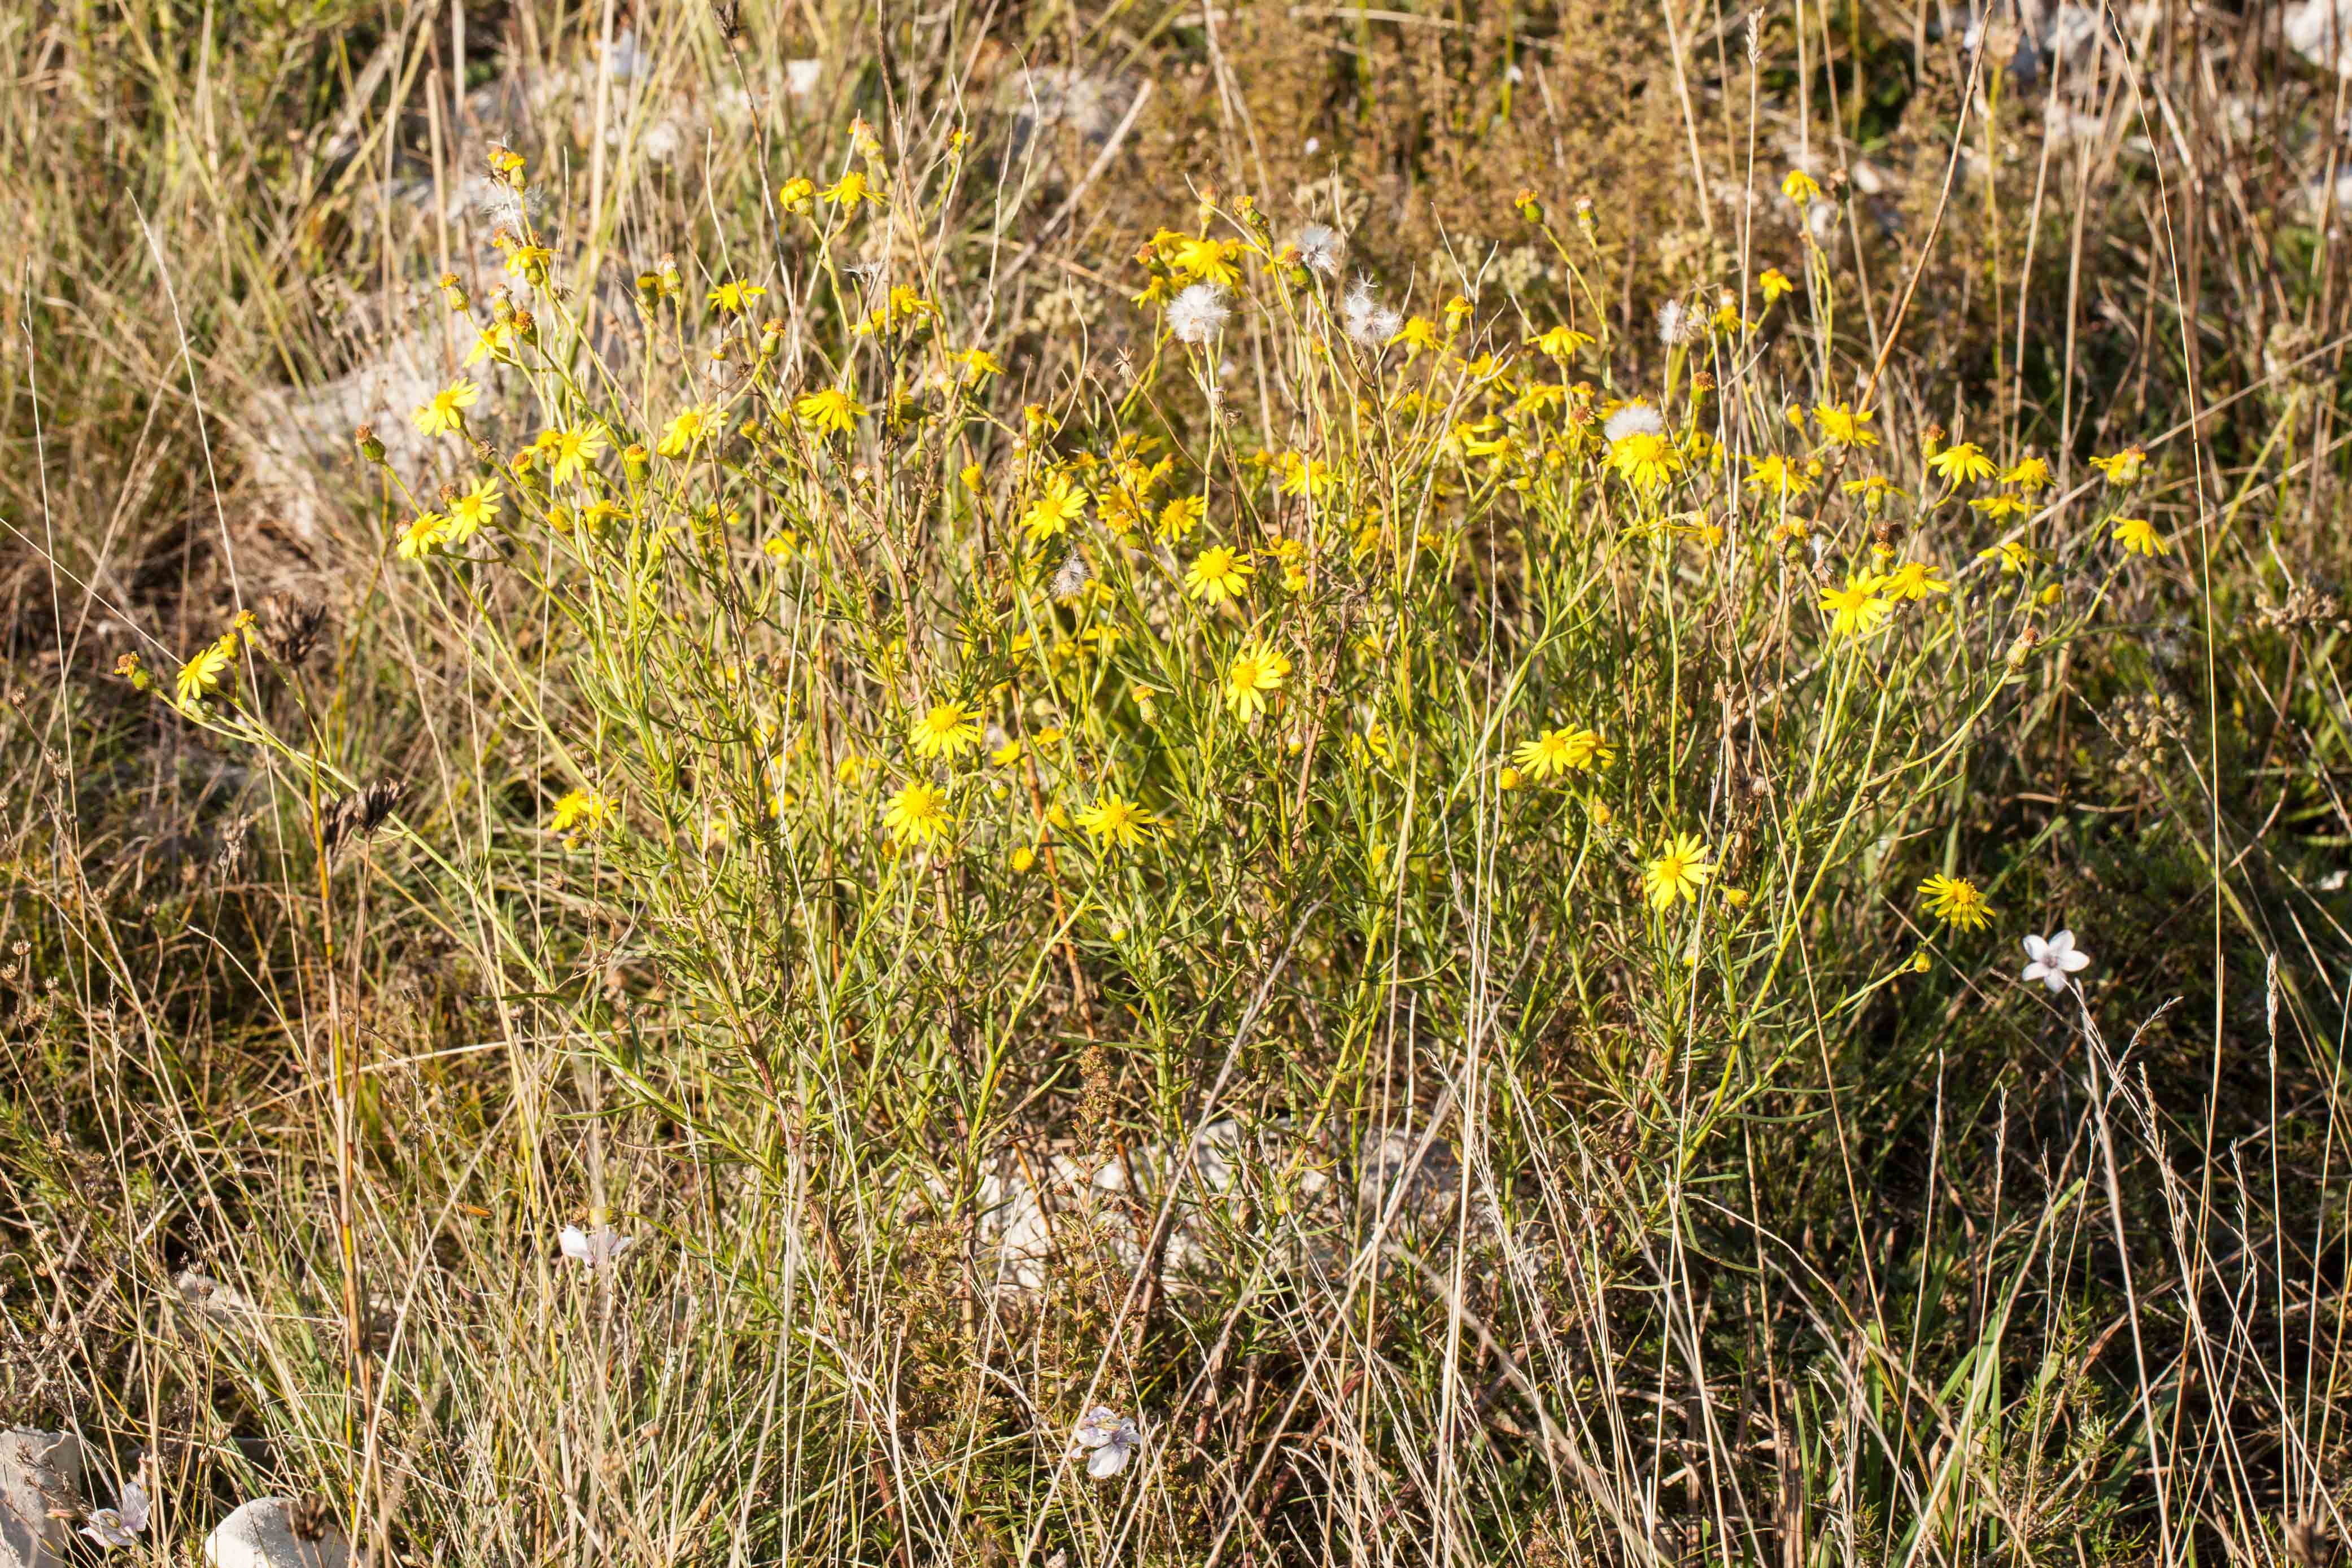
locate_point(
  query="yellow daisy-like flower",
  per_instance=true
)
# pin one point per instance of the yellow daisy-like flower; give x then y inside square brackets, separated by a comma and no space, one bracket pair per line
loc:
[423,536]
[1057,506]
[734,297]
[1647,460]
[495,341]
[582,811]
[1914,580]
[1118,824]
[1775,284]
[949,730]
[569,452]
[1955,899]
[1998,507]
[2138,536]
[1180,516]
[472,512]
[688,431]
[1210,260]
[1251,677]
[1563,342]
[1799,187]
[2032,475]
[1842,424]
[1961,462]
[1557,751]
[2013,556]
[1858,607]
[1301,475]
[445,413]
[1777,475]
[1416,334]
[831,410]
[2123,468]
[978,363]
[203,673]
[1680,869]
[852,191]
[1218,574]
[917,814]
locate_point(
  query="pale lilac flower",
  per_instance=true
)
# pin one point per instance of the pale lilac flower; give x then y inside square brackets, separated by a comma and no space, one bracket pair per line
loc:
[122,1524]
[2054,960]
[598,1249]
[1110,1438]
[1633,419]
[1198,313]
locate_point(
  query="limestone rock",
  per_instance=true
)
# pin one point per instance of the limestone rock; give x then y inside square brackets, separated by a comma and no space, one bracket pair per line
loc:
[39,1471]
[261,1534]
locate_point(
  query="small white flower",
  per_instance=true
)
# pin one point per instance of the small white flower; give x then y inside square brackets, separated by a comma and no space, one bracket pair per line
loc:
[1198,313]
[1633,419]
[598,1249]
[122,1524]
[1110,1438]
[1321,248]
[2055,959]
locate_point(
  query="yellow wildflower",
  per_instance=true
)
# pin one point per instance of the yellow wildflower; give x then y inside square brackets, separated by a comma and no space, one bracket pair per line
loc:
[1250,677]
[1680,869]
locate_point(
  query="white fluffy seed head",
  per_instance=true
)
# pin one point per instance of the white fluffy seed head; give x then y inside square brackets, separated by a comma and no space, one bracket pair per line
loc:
[1198,313]
[1072,577]
[1365,319]
[1633,419]
[1674,322]
[1321,248]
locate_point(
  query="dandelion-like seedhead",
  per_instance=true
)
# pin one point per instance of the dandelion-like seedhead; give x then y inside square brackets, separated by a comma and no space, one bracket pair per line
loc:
[1368,323]
[1633,419]
[1675,320]
[1322,249]
[1198,313]
[1071,577]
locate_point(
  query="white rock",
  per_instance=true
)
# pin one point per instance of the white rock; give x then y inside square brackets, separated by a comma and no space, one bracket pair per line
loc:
[261,1535]
[39,1472]
[2321,32]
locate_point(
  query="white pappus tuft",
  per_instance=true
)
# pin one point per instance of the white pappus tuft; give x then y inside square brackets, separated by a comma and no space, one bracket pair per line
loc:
[1674,323]
[1070,579]
[1322,248]
[1365,319]
[1198,313]
[1633,419]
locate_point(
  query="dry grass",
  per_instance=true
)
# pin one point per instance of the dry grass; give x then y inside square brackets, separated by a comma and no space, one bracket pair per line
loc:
[1557,1230]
